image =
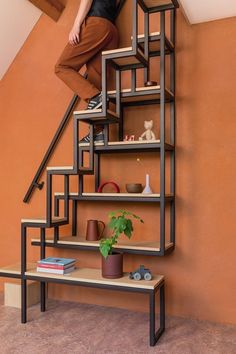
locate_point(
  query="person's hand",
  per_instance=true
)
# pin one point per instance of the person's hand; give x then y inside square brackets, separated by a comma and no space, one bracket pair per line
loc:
[74,35]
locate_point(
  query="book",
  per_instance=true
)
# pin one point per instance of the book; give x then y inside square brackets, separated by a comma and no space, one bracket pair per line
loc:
[55,271]
[57,261]
[54,266]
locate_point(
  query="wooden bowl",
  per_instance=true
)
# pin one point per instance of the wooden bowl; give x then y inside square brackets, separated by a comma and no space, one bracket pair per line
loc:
[134,187]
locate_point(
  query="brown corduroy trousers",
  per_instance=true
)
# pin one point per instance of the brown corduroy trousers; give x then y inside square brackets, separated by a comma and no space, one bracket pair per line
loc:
[97,34]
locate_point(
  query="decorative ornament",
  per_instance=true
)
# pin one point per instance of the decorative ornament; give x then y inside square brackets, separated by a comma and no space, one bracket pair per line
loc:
[148,134]
[147,189]
[117,188]
[141,273]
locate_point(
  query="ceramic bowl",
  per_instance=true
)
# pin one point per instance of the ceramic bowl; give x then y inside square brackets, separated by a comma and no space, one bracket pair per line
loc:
[134,187]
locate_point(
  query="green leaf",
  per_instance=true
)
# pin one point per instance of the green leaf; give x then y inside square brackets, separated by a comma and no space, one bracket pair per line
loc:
[120,223]
[129,229]
[112,223]
[105,247]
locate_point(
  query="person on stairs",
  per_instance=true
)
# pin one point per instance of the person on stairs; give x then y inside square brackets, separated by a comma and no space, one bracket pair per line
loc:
[93,31]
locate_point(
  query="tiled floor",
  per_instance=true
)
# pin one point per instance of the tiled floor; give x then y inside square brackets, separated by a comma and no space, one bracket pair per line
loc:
[77,328]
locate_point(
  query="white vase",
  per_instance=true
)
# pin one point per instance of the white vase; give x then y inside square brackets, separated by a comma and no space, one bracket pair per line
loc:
[147,189]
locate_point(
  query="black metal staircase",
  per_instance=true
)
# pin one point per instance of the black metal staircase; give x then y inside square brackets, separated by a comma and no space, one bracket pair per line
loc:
[143,47]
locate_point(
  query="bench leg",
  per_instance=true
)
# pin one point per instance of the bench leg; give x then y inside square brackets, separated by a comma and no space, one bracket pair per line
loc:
[23,280]
[155,335]
[23,301]
[42,296]
[42,284]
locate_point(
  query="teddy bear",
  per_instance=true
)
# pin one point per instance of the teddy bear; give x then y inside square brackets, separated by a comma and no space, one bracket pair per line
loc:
[148,134]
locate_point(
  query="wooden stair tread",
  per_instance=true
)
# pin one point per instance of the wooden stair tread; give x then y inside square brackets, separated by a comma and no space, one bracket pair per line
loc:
[138,89]
[42,220]
[117,195]
[131,195]
[117,50]
[60,168]
[14,268]
[127,49]
[132,245]
[126,57]
[120,143]
[93,276]
[155,3]
[152,34]
[138,195]
[93,111]
[88,111]
[141,94]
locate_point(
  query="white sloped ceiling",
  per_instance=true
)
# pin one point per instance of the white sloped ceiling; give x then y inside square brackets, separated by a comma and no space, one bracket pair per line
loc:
[17,19]
[208,10]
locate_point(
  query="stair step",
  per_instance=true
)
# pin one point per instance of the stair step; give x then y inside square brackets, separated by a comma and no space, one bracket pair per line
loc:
[125,57]
[55,219]
[87,111]
[14,269]
[97,115]
[117,195]
[122,143]
[141,94]
[152,246]
[129,197]
[93,111]
[151,35]
[135,195]
[60,168]
[117,51]
[152,4]
[155,43]
[138,89]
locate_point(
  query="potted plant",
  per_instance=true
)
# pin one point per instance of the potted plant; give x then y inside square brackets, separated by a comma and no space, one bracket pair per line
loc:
[120,223]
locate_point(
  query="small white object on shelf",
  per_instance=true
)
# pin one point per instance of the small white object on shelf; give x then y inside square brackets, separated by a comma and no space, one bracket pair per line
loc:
[147,189]
[148,134]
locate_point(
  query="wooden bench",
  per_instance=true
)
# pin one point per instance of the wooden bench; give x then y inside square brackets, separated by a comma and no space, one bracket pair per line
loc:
[92,278]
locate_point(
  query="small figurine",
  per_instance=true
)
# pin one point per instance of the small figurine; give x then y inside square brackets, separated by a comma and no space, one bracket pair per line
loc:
[148,134]
[141,273]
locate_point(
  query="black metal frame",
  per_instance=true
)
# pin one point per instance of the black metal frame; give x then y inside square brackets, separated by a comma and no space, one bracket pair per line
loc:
[172,5]
[122,100]
[44,279]
[167,47]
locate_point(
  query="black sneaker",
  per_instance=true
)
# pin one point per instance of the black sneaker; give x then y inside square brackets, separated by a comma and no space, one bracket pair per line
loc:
[95,102]
[98,137]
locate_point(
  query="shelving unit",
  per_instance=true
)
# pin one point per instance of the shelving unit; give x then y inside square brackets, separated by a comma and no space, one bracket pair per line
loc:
[143,47]
[132,247]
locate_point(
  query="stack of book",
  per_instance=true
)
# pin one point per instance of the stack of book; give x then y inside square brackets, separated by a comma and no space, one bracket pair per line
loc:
[56,265]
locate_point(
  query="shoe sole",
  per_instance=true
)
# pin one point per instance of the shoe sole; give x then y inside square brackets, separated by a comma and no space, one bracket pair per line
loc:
[96,107]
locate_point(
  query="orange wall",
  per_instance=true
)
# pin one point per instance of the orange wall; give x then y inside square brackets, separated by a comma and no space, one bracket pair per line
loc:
[200,274]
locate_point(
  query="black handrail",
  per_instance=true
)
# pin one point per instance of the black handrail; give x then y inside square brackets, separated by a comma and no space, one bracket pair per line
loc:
[35,182]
